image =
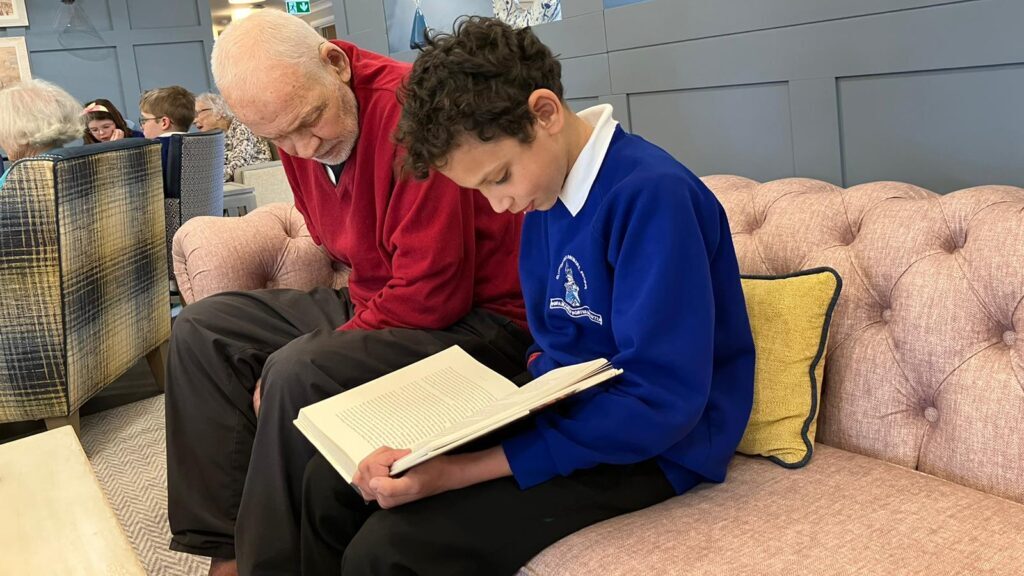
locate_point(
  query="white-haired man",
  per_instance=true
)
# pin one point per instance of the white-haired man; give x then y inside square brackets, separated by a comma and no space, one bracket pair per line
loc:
[432,266]
[36,117]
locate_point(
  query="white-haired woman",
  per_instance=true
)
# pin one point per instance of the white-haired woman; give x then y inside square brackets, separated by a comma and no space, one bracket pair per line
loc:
[36,117]
[241,146]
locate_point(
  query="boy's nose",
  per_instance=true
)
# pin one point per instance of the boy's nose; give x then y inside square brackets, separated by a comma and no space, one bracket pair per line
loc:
[500,204]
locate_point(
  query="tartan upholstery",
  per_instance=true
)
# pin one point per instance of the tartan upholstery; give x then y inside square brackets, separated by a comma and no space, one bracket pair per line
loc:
[82,261]
[193,181]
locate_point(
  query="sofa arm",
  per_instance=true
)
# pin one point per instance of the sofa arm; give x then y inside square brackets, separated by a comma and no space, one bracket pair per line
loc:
[267,248]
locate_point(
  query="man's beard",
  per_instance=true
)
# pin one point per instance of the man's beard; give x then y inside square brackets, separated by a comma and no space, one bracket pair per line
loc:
[344,151]
[350,108]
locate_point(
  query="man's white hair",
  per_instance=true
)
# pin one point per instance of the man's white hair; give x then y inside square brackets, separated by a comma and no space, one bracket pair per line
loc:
[217,104]
[36,115]
[248,48]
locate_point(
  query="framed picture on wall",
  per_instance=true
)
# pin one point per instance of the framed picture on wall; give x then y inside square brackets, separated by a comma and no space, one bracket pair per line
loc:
[12,13]
[13,61]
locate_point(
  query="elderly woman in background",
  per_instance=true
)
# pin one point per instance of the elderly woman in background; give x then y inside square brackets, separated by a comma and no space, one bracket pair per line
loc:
[241,146]
[37,117]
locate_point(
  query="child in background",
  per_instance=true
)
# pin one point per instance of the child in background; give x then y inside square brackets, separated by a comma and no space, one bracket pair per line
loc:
[104,123]
[166,111]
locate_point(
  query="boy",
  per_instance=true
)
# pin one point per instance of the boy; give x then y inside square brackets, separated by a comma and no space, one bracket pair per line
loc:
[166,111]
[626,255]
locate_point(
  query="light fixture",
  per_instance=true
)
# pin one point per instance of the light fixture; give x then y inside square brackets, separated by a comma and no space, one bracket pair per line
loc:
[243,1]
[75,31]
[241,13]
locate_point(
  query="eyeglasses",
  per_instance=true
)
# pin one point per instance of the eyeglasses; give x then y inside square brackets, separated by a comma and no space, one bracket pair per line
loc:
[201,110]
[143,119]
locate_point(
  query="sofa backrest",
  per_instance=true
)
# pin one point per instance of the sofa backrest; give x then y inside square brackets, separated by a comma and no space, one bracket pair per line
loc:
[83,275]
[925,364]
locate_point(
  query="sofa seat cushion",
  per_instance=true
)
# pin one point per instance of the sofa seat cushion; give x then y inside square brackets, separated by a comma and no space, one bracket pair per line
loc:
[841,514]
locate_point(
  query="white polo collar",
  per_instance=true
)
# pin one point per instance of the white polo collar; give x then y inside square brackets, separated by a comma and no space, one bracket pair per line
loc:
[583,173]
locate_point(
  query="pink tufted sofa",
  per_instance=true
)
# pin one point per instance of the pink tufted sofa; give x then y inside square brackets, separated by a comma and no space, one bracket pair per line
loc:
[919,466]
[268,248]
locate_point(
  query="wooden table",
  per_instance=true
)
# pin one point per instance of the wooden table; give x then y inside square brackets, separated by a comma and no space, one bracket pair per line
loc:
[53,516]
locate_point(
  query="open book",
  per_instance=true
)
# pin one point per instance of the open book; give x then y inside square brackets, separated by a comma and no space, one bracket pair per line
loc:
[433,406]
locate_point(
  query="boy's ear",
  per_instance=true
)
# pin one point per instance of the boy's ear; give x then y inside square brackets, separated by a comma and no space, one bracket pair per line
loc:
[336,58]
[548,111]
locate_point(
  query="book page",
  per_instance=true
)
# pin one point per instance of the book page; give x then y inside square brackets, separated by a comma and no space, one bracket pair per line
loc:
[338,458]
[416,409]
[406,406]
[514,406]
[519,400]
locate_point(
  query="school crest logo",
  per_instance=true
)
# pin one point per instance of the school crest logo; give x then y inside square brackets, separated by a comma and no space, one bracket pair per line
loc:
[575,282]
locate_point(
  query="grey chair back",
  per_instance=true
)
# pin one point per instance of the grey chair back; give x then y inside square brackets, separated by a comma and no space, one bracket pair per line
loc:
[193,180]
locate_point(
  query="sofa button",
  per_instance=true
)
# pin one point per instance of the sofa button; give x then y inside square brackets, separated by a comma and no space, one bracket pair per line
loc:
[1009,337]
[887,316]
[931,414]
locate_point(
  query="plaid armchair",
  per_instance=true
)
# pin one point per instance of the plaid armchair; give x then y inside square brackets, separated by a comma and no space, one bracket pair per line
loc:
[83,275]
[193,167]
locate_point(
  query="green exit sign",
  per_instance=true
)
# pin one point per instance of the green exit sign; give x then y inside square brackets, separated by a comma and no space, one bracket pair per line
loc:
[298,7]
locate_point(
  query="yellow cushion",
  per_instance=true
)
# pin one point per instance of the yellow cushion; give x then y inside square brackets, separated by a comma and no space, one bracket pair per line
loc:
[789,316]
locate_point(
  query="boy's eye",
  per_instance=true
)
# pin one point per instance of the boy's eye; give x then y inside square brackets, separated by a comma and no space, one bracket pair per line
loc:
[503,179]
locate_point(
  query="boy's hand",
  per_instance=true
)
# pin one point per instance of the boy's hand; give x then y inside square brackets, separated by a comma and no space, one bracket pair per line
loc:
[377,464]
[430,478]
[440,475]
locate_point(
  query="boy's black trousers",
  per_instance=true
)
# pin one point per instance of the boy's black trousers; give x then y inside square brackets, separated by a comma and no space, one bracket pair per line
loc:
[234,482]
[489,529]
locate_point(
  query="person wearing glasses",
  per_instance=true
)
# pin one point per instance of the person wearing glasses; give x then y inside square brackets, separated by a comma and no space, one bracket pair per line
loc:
[166,111]
[241,146]
[104,123]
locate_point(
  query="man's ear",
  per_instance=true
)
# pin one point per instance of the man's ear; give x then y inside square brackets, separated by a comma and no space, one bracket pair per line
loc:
[165,123]
[336,58]
[548,111]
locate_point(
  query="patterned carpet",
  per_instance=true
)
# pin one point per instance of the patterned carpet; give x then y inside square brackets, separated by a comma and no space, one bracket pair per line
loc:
[126,448]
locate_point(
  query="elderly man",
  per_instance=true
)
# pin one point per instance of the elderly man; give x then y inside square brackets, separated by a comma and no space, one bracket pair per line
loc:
[432,266]
[36,117]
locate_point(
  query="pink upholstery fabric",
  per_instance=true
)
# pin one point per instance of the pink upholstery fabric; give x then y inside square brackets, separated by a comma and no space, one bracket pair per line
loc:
[842,515]
[925,370]
[925,366]
[267,248]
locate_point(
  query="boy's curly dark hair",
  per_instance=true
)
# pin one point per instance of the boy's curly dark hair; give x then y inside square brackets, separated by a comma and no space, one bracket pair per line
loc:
[476,80]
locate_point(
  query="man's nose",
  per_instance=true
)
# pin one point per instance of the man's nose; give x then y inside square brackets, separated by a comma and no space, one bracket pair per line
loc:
[307,147]
[285,144]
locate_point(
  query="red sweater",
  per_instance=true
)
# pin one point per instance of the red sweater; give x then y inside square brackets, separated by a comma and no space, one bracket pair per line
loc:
[422,253]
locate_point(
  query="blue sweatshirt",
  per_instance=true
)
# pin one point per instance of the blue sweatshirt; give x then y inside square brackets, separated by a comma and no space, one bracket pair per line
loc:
[645,275]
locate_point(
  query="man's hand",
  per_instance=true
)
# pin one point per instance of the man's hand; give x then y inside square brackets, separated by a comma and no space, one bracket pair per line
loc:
[256,398]
[377,464]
